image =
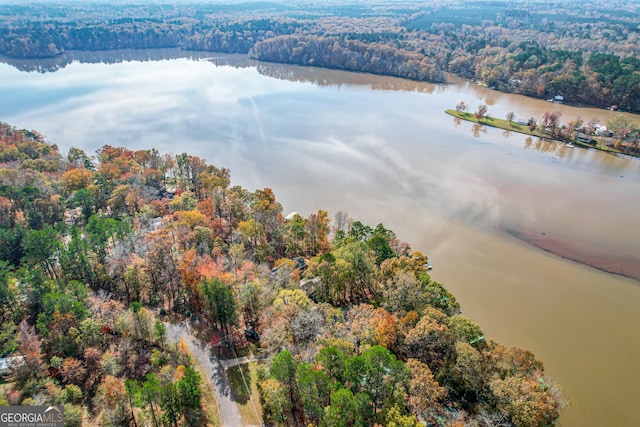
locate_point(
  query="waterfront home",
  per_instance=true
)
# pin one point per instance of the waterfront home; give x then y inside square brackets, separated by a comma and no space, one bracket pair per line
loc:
[290,216]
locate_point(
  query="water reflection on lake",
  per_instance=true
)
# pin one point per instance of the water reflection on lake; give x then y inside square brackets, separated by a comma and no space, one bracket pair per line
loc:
[382,149]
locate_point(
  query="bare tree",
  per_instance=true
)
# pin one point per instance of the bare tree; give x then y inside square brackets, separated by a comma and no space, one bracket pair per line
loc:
[341,222]
[550,121]
[481,112]
[462,106]
[510,116]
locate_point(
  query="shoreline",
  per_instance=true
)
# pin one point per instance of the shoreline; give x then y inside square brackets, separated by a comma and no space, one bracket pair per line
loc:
[585,254]
[524,129]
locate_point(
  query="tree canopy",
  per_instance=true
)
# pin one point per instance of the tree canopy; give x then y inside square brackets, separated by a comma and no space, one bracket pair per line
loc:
[354,329]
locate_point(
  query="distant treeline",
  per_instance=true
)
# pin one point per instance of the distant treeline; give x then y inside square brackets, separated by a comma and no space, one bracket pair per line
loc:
[589,55]
[42,40]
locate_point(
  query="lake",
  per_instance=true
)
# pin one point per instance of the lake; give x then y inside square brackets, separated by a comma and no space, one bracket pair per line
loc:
[480,202]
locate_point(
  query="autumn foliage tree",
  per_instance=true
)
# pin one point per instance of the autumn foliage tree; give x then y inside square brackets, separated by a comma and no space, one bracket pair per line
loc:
[32,367]
[77,179]
[528,401]
[481,112]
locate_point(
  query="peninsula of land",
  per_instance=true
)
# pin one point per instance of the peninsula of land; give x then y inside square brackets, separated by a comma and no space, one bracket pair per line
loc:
[622,139]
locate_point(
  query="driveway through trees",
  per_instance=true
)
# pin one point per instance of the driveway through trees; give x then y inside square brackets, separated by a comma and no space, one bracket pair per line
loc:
[229,413]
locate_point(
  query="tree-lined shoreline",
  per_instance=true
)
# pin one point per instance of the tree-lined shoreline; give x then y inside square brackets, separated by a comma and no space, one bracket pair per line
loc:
[585,52]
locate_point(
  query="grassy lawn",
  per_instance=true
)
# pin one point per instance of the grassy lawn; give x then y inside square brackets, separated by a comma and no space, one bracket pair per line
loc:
[210,405]
[248,404]
[492,121]
[524,129]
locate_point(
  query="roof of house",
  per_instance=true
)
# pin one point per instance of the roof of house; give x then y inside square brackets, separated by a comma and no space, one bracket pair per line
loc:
[291,215]
[7,362]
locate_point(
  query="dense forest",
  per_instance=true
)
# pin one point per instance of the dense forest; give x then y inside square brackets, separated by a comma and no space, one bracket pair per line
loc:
[586,52]
[100,253]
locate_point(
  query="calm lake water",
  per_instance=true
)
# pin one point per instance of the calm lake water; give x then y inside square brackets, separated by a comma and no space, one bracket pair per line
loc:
[383,150]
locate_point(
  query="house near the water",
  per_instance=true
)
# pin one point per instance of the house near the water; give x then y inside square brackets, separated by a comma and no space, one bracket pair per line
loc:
[525,122]
[290,216]
[602,130]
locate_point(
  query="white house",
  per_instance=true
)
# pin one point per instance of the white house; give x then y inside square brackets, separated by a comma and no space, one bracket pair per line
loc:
[602,130]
